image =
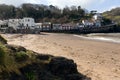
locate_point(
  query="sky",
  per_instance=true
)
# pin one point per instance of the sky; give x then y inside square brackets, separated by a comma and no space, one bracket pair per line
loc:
[99,5]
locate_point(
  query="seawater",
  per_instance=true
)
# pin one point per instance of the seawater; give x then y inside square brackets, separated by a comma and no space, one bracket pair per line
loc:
[109,37]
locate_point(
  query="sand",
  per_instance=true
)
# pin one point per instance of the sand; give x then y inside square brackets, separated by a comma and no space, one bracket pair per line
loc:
[99,60]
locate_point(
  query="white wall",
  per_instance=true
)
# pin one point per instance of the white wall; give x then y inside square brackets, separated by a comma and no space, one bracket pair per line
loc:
[14,23]
[38,25]
[29,23]
[97,16]
[25,23]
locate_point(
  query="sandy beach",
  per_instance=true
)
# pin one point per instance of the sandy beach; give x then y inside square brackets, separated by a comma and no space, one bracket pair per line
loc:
[99,60]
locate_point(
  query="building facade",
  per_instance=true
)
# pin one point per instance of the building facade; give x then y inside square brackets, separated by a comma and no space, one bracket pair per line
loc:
[28,23]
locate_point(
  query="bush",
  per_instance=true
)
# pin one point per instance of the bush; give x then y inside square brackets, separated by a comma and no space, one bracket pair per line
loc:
[21,56]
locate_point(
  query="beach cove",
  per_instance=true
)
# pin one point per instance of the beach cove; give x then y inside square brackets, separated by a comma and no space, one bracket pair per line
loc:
[99,60]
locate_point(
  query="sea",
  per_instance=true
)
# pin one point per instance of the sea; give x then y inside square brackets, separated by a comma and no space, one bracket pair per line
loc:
[107,37]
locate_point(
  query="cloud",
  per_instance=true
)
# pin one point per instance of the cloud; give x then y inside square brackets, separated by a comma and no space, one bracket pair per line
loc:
[63,3]
[12,2]
[82,3]
[112,7]
[19,2]
[102,1]
[59,3]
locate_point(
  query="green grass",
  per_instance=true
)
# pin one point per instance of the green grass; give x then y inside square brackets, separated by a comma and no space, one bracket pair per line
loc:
[21,56]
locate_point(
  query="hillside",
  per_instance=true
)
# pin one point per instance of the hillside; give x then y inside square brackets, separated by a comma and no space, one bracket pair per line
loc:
[113,14]
[42,13]
[17,63]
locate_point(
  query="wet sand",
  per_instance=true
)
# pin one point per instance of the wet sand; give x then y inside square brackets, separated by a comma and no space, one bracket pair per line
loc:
[99,60]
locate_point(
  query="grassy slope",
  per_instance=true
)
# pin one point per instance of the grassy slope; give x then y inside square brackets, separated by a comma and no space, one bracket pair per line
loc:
[114,15]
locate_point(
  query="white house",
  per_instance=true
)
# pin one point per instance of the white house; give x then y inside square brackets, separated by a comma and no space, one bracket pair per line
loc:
[56,27]
[87,23]
[21,23]
[14,23]
[28,23]
[3,25]
[97,18]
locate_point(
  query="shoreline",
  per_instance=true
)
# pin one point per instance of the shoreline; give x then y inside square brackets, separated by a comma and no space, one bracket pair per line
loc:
[99,60]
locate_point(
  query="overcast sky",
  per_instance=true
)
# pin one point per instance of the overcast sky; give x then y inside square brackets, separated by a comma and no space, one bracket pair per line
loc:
[99,5]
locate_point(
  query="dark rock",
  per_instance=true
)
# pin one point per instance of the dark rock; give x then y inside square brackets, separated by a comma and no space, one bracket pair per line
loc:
[62,66]
[44,57]
[76,77]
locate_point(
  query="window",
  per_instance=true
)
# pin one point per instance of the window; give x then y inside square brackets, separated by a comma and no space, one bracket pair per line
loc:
[27,25]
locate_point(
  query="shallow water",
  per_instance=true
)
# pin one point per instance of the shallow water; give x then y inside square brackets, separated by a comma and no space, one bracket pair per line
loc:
[109,37]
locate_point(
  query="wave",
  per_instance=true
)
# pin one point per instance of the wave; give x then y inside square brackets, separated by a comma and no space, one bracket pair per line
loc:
[100,37]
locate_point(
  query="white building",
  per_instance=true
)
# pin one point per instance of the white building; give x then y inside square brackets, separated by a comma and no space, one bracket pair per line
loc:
[3,25]
[56,27]
[97,16]
[87,23]
[38,25]
[21,23]
[28,23]
[14,23]
[46,26]
[97,19]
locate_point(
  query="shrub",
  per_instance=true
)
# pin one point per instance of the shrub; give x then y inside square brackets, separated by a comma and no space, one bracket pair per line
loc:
[21,56]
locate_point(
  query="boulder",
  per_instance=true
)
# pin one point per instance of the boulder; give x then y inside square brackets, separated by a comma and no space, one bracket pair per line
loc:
[76,77]
[62,66]
[44,57]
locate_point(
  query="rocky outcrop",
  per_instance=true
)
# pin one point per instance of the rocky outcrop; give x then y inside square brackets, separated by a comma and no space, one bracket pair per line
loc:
[65,68]
[58,68]
[62,66]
